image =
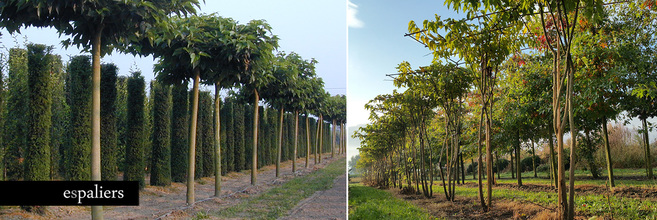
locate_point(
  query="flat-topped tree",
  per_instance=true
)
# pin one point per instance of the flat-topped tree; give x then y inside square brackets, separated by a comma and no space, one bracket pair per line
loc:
[95,25]
[287,91]
[185,49]
[314,87]
[254,46]
[318,108]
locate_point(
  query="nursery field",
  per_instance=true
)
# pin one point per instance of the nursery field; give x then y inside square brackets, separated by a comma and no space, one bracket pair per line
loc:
[634,197]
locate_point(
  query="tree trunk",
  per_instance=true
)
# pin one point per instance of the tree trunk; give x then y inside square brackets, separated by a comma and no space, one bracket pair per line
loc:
[280,141]
[333,138]
[479,162]
[533,159]
[307,139]
[553,162]
[647,146]
[321,136]
[192,140]
[573,138]
[254,160]
[96,211]
[518,167]
[513,170]
[217,140]
[610,169]
[317,137]
[489,162]
[296,140]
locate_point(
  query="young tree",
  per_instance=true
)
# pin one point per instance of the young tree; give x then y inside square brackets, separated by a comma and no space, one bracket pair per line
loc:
[161,136]
[108,118]
[15,128]
[78,155]
[136,139]
[179,132]
[37,151]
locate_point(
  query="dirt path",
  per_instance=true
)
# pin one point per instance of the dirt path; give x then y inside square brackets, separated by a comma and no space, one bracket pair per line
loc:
[329,204]
[169,202]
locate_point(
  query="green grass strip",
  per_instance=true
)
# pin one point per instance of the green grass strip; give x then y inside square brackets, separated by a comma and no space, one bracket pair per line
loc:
[279,200]
[370,203]
[590,204]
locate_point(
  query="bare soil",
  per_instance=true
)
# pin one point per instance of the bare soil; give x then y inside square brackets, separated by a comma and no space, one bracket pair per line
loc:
[168,202]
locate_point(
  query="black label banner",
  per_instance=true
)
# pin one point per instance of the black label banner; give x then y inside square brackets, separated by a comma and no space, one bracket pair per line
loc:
[69,193]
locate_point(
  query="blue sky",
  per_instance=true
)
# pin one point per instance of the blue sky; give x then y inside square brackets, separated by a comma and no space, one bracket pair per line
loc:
[377,45]
[313,29]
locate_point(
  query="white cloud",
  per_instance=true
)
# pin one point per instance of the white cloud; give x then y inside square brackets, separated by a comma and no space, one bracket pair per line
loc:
[352,20]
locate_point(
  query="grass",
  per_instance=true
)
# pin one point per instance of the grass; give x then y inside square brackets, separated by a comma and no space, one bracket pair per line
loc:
[583,178]
[370,203]
[280,200]
[589,204]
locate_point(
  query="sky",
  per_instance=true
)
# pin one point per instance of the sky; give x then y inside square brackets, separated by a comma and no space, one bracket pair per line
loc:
[312,29]
[377,45]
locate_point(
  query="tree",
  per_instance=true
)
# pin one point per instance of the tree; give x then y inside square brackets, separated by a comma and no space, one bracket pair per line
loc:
[98,26]
[60,113]
[15,128]
[161,136]
[37,151]
[108,118]
[78,156]
[135,143]
[179,132]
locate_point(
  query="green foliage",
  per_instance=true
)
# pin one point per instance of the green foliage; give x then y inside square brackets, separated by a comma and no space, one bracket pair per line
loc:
[15,128]
[225,129]
[108,122]
[526,164]
[200,126]
[239,148]
[370,203]
[122,119]
[37,152]
[500,165]
[136,138]
[60,114]
[161,135]
[230,136]
[248,135]
[77,157]
[179,132]
[207,134]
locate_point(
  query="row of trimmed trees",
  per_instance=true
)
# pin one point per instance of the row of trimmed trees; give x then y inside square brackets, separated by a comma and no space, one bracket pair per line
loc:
[136,130]
[192,48]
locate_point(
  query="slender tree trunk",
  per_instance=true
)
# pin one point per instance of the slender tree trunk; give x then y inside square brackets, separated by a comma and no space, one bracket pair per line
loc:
[296,140]
[647,146]
[518,167]
[96,211]
[307,139]
[489,162]
[573,138]
[610,168]
[479,162]
[533,159]
[254,161]
[333,138]
[553,162]
[192,140]
[280,141]
[317,137]
[513,170]
[321,136]
[497,167]
[217,139]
